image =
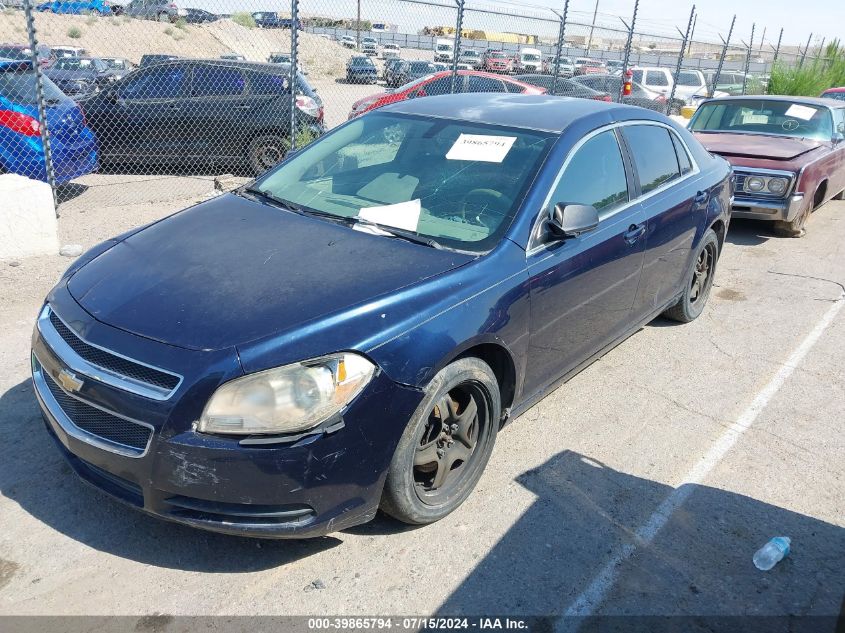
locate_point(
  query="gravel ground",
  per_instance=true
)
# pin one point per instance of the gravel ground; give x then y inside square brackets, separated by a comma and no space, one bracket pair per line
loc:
[563,519]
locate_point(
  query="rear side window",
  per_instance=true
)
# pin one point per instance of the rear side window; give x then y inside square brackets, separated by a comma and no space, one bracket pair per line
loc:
[484,84]
[212,81]
[442,86]
[595,175]
[515,88]
[657,78]
[654,155]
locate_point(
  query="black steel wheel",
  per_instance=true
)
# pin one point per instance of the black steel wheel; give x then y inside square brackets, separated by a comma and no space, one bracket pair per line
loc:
[697,282]
[446,445]
[266,151]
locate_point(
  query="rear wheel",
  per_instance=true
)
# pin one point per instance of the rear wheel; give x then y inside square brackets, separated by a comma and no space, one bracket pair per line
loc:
[266,151]
[446,445]
[698,282]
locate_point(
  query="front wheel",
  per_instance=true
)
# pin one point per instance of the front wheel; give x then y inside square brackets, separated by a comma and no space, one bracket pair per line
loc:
[697,282]
[266,151]
[446,444]
[795,228]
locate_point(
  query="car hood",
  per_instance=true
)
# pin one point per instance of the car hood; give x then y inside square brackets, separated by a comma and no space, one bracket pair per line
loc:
[231,270]
[757,145]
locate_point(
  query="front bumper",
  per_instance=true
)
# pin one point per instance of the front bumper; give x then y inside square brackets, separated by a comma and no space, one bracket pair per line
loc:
[766,209]
[301,487]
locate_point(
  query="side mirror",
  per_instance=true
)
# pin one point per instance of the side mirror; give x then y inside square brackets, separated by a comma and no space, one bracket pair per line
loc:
[571,220]
[837,138]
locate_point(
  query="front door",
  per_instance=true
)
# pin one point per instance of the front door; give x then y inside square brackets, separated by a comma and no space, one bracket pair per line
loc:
[583,288]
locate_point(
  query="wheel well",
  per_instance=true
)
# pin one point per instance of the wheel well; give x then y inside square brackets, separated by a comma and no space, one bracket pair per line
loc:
[501,363]
[719,228]
[821,191]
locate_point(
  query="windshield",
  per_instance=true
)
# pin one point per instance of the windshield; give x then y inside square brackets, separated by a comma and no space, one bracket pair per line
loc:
[116,64]
[74,63]
[14,53]
[456,182]
[470,53]
[444,47]
[839,96]
[19,87]
[760,116]
[530,57]
[362,61]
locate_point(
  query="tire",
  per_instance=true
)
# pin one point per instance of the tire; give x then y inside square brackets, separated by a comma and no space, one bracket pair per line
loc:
[433,469]
[697,282]
[839,196]
[266,151]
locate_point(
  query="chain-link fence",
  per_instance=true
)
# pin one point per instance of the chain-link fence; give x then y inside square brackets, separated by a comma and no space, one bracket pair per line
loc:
[150,101]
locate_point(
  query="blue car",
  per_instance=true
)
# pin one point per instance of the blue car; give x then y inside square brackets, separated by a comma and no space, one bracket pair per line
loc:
[350,331]
[76,7]
[73,146]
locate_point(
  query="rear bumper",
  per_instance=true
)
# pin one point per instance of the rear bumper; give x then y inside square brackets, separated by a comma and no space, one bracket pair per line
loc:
[299,487]
[25,156]
[772,210]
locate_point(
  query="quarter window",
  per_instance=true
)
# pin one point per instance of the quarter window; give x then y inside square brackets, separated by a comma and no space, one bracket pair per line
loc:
[595,175]
[654,155]
[683,158]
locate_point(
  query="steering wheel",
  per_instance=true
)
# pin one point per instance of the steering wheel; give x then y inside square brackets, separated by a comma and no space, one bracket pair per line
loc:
[485,207]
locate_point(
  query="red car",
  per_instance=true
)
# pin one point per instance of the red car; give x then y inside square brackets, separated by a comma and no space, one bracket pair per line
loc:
[497,62]
[834,93]
[788,154]
[441,84]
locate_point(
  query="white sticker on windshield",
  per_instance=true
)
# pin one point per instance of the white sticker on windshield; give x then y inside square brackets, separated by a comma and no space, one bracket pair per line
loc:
[403,215]
[800,112]
[488,149]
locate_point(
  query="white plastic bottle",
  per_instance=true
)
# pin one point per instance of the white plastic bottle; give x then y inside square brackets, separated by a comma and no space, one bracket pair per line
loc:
[772,553]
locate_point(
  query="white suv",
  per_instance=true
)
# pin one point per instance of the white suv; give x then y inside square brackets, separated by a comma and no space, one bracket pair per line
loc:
[653,78]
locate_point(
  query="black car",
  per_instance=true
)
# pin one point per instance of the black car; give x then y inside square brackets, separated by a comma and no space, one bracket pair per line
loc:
[196,111]
[149,60]
[563,87]
[361,69]
[390,66]
[411,70]
[199,16]
[612,84]
[78,76]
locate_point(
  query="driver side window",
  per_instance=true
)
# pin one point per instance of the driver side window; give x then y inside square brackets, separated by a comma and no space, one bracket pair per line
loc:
[595,176]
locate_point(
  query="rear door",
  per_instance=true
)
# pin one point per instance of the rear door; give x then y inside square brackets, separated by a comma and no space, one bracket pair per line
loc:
[675,210]
[218,111]
[583,288]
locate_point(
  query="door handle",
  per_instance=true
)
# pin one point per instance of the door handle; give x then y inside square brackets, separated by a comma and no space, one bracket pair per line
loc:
[701,197]
[242,106]
[634,233]
[174,106]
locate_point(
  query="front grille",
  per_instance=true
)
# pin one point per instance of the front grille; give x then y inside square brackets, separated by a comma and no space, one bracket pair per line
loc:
[99,423]
[111,362]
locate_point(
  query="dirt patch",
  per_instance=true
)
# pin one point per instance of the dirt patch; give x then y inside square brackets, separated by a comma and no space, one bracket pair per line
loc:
[7,570]
[728,294]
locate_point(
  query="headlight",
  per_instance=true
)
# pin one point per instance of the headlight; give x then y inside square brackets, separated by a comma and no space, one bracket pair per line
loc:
[287,399]
[754,184]
[777,185]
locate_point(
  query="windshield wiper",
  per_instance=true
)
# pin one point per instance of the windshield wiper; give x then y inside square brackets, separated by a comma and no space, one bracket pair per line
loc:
[269,197]
[392,231]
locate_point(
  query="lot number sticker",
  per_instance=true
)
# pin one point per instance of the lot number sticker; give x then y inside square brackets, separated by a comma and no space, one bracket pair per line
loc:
[480,147]
[800,112]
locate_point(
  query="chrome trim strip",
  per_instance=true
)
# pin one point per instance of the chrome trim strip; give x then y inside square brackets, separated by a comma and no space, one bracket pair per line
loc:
[534,248]
[101,374]
[49,403]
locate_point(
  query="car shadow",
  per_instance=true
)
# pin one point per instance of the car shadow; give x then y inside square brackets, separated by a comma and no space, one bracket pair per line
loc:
[34,475]
[698,564]
[743,232]
[69,191]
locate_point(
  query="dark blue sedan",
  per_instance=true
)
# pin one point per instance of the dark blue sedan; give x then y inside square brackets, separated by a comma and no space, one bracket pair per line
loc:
[350,331]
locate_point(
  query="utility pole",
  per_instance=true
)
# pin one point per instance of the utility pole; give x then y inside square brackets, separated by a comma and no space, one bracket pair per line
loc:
[592,26]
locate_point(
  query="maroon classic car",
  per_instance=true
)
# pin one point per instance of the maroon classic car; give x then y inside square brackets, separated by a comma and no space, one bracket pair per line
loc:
[788,154]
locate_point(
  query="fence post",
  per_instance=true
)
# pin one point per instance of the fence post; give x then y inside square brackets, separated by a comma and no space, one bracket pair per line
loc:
[777,49]
[692,35]
[804,54]
[726,43]
[294,64]
[42,109]
[748,60]
[680,60]
[630,39]
[560,41]
[358,26]
[459,24]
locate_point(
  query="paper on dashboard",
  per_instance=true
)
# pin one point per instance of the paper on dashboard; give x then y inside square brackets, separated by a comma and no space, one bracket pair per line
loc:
[402,215]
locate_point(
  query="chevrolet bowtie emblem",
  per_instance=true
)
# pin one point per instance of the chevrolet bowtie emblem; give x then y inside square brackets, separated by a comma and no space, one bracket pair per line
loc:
[69,381]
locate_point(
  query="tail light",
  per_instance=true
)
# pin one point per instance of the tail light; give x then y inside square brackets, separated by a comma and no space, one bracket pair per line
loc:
[604,98]
[20,123]
[309,106]
[82,112]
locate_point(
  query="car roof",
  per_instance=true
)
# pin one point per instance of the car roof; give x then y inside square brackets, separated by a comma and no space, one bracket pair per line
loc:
[841,89]
[547,113]
[814,101]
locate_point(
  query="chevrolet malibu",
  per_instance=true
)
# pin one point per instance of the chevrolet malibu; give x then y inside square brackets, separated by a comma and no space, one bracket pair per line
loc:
[350,331]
